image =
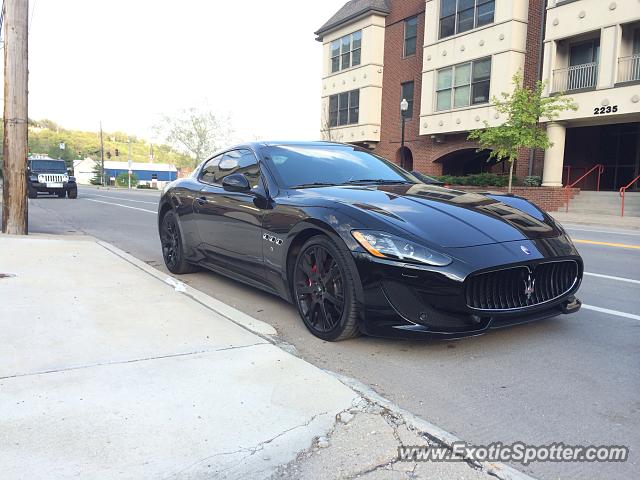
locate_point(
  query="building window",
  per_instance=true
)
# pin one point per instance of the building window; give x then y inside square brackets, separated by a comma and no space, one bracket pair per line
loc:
[346,51]
[410,36]
[463,85]
[407,94]
[457,16]
[344,108]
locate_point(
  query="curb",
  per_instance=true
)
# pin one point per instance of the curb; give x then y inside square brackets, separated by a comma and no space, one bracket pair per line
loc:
[268,333]
[433,432]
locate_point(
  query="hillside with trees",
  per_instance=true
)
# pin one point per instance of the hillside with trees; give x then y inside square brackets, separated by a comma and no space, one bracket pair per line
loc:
[46,136]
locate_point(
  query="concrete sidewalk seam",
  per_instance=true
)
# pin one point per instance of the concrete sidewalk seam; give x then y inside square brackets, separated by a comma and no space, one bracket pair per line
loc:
[250,450]
[133,360]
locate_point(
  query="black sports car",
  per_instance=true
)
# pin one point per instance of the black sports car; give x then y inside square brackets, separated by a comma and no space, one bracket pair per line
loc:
[361,246]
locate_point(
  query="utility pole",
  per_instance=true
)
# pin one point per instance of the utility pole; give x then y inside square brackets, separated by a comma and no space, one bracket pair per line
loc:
[129,162]
[16,117]
[101,156]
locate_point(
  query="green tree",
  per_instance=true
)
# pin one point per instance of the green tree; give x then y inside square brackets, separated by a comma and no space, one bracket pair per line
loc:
[525,107]
[122,180]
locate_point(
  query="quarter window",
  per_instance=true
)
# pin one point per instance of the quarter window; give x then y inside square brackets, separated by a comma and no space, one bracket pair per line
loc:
[407,94]
[457,16]
[410,36]
[344,108]
[346,52]
[235,161]
[463,85]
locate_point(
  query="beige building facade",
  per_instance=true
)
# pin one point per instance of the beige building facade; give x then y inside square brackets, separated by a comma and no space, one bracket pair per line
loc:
[592,54]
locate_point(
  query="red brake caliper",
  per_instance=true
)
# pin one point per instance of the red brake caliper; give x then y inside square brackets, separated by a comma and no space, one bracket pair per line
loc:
[314,269]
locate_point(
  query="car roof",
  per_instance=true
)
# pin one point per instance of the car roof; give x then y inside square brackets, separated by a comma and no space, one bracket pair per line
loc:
[298,143]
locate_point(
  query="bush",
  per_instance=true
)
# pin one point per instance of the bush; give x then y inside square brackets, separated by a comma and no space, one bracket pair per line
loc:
[144,186]
[122,180]
[532,181]
[479,180]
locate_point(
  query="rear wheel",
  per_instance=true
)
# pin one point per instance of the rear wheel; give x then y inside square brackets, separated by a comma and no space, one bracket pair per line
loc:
[324,290]
[171,241]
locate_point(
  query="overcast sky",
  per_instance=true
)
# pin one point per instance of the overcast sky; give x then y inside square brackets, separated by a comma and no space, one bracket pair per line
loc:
[128,61]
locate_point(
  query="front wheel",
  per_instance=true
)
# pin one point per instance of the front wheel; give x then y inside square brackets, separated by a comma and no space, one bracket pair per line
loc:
[72,193]
[61,194]
[171,241]
[324,290]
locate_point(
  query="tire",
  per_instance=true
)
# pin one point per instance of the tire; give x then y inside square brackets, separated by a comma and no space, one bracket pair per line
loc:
[61,194]
[73,193]
[324,290]
[171,242]
[32,193]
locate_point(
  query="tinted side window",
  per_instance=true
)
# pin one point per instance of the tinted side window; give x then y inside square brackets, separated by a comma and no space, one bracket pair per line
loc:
[210,170]
[240,161]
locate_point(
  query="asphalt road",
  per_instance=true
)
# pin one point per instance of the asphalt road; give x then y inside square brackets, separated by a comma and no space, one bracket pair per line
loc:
[574,379]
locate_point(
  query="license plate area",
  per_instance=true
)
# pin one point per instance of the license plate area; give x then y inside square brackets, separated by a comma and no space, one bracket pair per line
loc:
[54,185]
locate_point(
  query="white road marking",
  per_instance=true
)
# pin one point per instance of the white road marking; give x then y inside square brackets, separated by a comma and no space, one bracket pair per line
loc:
[611,232]
[120,205]
[611,312]
[122,198]
[610,277]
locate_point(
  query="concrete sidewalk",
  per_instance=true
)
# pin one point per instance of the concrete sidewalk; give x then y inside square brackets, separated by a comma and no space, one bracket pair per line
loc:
[112,370]
[596,220]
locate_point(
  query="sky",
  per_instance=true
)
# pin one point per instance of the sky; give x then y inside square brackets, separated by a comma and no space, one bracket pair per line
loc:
[127,62]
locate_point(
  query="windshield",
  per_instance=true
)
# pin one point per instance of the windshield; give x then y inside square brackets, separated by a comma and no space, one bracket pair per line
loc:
[53,166]
[318,165]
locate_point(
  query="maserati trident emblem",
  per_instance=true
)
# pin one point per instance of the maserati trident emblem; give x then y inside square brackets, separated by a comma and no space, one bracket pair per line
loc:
[529,287]
[525,250]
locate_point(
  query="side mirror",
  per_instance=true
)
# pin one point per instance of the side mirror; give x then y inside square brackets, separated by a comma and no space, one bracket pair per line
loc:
[236,182]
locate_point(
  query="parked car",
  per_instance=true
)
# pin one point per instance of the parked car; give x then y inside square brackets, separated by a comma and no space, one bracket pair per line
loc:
[50,176]
[427,179]
[361,246]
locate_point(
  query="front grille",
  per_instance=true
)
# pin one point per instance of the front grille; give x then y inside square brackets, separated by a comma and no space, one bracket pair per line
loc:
[50,178]
[521,287]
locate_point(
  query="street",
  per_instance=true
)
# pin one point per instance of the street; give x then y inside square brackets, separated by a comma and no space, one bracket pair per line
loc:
[574,379]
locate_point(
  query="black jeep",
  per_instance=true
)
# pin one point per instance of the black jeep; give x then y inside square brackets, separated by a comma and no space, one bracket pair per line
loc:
[50,176]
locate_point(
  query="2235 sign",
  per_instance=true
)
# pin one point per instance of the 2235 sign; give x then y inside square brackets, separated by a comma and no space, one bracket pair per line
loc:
[605,110]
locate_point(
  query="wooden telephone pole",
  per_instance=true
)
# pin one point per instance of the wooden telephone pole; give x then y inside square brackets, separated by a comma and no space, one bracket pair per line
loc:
[15,147]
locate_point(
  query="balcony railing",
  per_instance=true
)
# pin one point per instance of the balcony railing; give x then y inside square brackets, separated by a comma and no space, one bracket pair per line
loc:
[577,77]
[629,68]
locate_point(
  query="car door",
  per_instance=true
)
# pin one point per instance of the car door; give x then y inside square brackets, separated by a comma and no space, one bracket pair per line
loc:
[230,223]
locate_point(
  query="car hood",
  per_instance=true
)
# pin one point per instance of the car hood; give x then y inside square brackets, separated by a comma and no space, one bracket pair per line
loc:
[445,217]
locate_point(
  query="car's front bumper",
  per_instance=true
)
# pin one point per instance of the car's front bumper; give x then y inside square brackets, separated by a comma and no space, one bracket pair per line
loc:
[411,301]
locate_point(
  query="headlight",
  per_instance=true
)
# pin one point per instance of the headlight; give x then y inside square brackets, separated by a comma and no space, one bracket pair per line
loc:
[385,245]
[33,178]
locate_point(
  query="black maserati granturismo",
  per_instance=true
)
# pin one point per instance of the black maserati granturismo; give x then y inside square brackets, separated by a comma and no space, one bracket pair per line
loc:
[360,245]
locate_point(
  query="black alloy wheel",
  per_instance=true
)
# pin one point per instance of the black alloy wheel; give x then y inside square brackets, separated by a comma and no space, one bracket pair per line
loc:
[171,242]
[324,289]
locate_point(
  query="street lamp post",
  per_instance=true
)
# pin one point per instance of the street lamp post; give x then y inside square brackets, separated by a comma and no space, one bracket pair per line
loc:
[404,106]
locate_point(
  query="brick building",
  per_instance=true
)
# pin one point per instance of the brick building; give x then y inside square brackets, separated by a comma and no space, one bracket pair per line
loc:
[447,58]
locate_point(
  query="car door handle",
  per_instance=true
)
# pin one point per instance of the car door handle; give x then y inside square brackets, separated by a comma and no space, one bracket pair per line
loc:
[201,200]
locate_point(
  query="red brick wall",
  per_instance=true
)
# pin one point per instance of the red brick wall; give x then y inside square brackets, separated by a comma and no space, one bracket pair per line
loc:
[550,199]
[398,70]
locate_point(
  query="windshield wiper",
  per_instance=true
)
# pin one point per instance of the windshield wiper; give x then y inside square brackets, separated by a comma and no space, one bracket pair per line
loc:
[375,181]
[314,184]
